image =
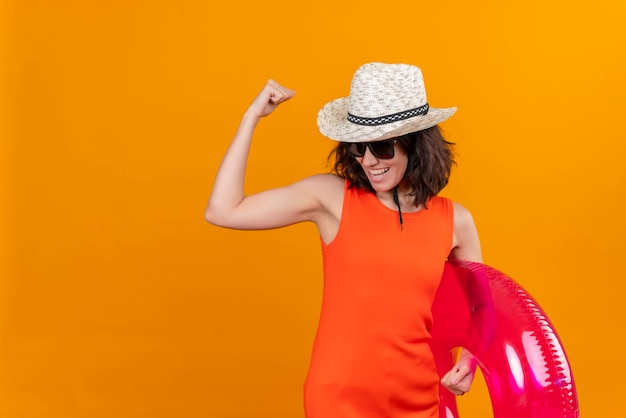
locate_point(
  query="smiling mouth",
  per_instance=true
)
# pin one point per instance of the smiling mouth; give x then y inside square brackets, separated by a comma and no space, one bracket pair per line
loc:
[379,172]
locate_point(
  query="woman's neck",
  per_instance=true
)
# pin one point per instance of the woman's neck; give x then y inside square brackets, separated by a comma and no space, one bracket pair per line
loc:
[405,200]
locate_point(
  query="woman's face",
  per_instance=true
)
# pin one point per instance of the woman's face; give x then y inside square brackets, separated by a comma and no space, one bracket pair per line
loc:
[384,174]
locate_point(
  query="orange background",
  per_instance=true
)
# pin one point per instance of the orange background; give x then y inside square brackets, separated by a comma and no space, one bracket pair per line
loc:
[117,299]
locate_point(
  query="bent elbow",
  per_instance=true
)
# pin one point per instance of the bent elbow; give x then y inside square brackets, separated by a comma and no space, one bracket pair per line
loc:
[222,217]
[213,217]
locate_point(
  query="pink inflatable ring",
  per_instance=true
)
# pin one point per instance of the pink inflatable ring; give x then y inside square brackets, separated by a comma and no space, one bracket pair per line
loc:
[517,348]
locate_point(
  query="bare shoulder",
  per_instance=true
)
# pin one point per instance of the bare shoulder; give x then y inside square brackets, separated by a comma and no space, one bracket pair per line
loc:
[329,193]
[325,180]
[327,188]
[462,216]
[323,186]
[465,242]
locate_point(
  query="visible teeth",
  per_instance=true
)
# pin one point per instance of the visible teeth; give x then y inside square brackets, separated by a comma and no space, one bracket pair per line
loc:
[379,172]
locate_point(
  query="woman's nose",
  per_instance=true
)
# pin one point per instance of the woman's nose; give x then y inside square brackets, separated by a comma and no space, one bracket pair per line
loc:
[368,157]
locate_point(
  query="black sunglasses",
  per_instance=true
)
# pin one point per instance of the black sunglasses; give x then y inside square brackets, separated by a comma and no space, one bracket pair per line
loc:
[383,150]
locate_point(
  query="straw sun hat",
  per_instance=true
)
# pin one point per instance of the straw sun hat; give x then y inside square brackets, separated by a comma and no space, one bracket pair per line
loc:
[386,101]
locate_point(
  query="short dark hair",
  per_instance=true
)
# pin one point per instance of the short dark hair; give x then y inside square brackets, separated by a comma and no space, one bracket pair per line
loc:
[430,160]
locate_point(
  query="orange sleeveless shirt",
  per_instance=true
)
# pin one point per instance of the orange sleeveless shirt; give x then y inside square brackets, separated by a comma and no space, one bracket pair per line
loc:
[371,357]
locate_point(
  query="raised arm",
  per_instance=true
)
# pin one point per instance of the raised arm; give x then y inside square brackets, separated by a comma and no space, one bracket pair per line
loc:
[229,207]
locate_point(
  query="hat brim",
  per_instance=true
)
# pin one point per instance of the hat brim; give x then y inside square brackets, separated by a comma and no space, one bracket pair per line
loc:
[333,123]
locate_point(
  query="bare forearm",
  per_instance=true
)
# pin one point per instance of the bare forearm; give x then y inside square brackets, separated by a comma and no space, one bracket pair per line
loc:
[228,189]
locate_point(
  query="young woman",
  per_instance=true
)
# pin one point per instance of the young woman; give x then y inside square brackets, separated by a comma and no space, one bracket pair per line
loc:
[385,233]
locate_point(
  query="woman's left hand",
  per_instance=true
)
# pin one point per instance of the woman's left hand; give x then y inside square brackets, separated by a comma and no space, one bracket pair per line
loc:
[459,379]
